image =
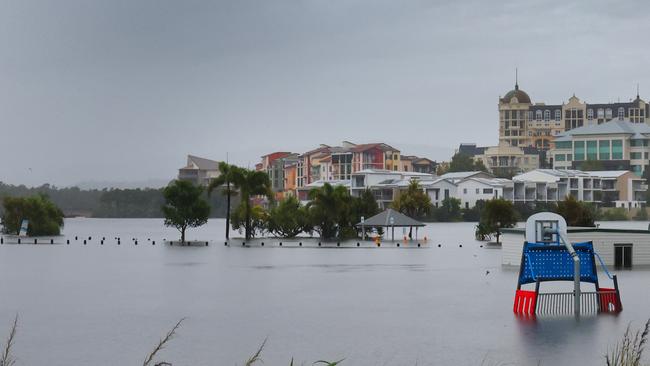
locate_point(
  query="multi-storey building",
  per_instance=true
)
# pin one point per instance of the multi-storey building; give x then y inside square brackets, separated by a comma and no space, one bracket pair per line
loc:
[199,170]
[613,145]
[522,123]
[274,165]
[610,188]
[505,160]
[412,163]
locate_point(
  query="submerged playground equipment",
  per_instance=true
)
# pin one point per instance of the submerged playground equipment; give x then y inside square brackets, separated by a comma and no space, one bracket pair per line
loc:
[547,256]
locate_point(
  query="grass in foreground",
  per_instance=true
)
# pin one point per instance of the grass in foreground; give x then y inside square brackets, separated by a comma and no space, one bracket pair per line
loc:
[627,352]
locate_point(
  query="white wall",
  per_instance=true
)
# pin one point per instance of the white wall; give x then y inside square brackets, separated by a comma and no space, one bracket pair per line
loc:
[467,192]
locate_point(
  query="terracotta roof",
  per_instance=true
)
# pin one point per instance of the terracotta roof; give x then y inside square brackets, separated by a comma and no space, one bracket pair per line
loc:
[380,145]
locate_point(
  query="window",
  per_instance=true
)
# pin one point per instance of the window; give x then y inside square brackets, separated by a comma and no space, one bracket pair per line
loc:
[488,191]
[547,115]
[601,113]
[603,150]
[478,190]
[635,155]
[568,157]
[579,150]
[558,114]
[636,169]
[635,143]
[617,149]
[622,256]
[621,113]
[560,157]
[590,114]
[466,205]
[608,113]
[530,115]
[538,115]
[406,168]
[394,167]
[395,157]
[563,145]
[592,147]
[464,190]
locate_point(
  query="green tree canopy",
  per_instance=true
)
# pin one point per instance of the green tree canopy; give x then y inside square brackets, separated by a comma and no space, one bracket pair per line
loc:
[288,218]
[449,210]
[461,162]
[577,213]
[329,211]
[497,213]
[249,183]
[45,218]
[184,206]
[413,202]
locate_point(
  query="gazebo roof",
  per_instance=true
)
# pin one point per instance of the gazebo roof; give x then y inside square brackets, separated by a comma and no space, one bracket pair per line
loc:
[383,220]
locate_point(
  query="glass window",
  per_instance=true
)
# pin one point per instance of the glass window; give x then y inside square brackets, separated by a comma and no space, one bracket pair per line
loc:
[635,155]
[488,190]
[601,113]
[560,157]
[547,115]
[617,149]
[608,113]
[603,150]
[592,147]
[530,115]
[464,190]
[478,190]
[563,145]
[621,113]
[538,115]
[638,142]
[579,150]
[636,169]
[568,157]
[558,114]
[590,114]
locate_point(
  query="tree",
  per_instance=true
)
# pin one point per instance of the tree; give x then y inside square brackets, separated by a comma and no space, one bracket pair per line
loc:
[413,202]
[462,162]
[497,213]
[184,207]
[288,218]
[249,183]
[577,213]
[364,206]
[225,178]
[449,210]
[255,223]
[329,211]
[44,217]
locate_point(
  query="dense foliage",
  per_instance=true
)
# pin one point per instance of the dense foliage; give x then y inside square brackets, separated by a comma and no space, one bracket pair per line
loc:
[461,162]
[184,206]
[117,203]
[577,213]
[413,202]
[249,184]
[288,218]
[44,217]
[496,214]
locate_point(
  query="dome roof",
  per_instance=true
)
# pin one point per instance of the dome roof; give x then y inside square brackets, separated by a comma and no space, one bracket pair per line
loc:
[521,96]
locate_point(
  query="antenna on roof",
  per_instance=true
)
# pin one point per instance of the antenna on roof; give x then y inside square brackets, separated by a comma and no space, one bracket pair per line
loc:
[637,90]
[516,79]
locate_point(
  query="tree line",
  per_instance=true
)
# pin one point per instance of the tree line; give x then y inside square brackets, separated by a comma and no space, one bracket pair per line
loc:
[106,203]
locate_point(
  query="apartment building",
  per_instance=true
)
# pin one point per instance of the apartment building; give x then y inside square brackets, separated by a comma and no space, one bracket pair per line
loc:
[505,160]
[613,145]
[522,123]
[609,188]
[199,170]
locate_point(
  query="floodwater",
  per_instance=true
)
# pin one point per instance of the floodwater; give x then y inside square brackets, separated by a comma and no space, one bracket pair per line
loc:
[109,305]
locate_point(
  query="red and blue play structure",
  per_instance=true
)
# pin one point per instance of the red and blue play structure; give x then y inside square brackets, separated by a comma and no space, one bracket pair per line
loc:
[548,256]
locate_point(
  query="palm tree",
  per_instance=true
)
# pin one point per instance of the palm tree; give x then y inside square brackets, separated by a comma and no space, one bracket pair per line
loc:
[328,207]
[225,178]
[251,183]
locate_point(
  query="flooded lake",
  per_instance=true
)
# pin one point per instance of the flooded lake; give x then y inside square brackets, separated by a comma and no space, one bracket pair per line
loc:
[109,305]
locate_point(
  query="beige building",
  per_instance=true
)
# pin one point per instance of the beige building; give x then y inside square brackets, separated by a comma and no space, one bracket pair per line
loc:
[505,160]
[524,123]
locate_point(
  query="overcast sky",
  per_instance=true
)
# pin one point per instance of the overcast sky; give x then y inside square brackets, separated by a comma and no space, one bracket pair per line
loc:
[123,90]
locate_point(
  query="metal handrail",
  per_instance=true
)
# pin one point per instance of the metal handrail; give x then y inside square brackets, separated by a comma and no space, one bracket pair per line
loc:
[602,264]
[532,272]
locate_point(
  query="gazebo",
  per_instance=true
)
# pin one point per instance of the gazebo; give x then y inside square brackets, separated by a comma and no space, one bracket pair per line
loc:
[390,219]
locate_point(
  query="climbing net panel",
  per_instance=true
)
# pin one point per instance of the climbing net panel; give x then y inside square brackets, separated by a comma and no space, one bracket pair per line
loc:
[544,262]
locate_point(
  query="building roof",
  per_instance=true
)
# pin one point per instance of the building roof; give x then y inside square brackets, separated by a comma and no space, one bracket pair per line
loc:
[384,220]
[607,173]
[470,149]
[382,146]
[464,175]
[201,163]
[637,130]
[522,96]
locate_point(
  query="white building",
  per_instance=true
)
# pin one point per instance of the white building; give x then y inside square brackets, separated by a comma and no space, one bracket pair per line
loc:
[199,170]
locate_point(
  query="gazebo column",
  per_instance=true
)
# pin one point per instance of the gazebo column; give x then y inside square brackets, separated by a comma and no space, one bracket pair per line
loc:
[416,233]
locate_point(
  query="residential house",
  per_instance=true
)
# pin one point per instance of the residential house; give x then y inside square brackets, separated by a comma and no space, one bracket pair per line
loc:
[199,170]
